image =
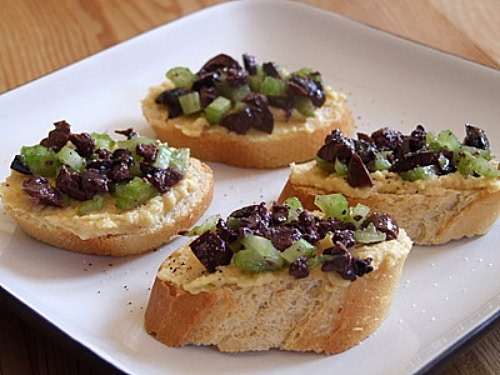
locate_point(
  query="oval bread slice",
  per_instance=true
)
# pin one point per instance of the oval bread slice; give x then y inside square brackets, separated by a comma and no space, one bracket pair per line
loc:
[432,213]
[288,143]
[183,215]
[320,313]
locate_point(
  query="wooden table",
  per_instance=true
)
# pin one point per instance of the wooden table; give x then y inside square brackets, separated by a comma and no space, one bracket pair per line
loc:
[38,37]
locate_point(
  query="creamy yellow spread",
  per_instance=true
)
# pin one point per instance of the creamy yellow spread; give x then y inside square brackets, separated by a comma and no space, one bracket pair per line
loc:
[184,269]
[108,221]
[195,126]
[309,174]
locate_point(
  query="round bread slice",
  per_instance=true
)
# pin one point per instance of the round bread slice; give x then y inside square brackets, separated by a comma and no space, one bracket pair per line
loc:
[110,232]
[237,311]
[432,212]
[293,140]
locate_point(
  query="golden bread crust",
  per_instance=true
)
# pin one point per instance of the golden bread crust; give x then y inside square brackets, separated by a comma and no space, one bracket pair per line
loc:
[306,314]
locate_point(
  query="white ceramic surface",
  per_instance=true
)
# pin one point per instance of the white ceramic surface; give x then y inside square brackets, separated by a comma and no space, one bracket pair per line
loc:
[445,291]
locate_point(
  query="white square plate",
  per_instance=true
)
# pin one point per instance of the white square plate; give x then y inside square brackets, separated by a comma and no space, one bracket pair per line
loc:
[445,292]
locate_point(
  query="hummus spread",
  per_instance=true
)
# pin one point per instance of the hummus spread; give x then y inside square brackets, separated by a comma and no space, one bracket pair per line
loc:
[194,126]
[108,221]
[309,174]
[194,279]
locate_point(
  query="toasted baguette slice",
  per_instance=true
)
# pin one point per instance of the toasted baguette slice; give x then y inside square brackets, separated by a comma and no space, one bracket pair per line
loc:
[432,211]
[106,232]
[237,311]
[294,140]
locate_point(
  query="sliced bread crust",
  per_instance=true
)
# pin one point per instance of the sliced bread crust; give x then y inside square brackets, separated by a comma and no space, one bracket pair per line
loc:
[309,314]
[429,219]
[186,213]
[255,149]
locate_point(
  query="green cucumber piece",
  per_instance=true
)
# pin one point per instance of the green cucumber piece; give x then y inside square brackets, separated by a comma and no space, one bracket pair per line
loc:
[303,72]
[255,81]
[419,173]
[134,193]
[358,214]
[340,167]
[294,206]
[236,94]
[40,160]
[369,235]
[273,87]
[333,205]
[70,157]
[92,205]
[300,248]
[209,224]
[327,166]
[259,255]
[163,156]
[217,109]
[445,141]
[190,103]
[318,260]
[304,106]
[180,159]
[381,163]
[103,141]
[181,77]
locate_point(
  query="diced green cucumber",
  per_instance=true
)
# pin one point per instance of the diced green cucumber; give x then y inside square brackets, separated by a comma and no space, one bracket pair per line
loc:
[476,152]
[190,103]
[238,107]
[209,224]
[181,77]
[369,235]
[318,260]
[40,160]
[358,214]
[300,248]
[132,143]
[419,173]
[217,109]
[333,205]
[233,223]
[304,106]
[103,141]
[445,141]
[294,206]
[70,157]
[340,167]
[273,87]
[259,255]
[135,170]
[303,72]
[236,94]
[134,193]
[92,205]
[327,166]
[180,159]
[381,163]
[256,80]
[163,156]
[470,165]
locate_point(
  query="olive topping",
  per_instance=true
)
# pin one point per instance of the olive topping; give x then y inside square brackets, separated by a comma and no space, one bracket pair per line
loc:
[476,137]
[420,155]
[19,166]
[239,98]
[268,239]
[43,192]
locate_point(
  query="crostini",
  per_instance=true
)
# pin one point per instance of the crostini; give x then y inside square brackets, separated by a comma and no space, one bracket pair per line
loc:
[435,186]
[91,194]
[252,116]
[280,278]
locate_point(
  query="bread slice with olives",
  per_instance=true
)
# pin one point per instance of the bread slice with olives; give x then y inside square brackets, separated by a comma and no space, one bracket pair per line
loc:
[281,278]
[90,194]
[436,187]
[253,116]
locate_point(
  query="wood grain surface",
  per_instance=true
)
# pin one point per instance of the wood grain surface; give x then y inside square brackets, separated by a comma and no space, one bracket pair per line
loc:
[38,37]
